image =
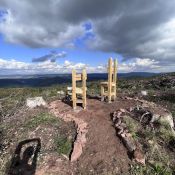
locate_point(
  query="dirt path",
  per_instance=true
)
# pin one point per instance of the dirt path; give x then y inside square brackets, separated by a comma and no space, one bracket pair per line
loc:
[103,152]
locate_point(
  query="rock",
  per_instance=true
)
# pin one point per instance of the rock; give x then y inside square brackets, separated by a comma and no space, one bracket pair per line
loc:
[158,113]
[81,125]
[155,117]
[150,142]
[168,118]
[35,101]
[60,92]
[139,156]
[129,142]
[144,93]
[77,151]
[122,110]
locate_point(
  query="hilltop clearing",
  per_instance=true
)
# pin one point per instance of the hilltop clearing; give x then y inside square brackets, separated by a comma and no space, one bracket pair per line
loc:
[57,140]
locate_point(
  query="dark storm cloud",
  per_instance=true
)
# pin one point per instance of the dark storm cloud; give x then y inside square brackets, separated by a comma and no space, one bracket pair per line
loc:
[52,57]
[136,32]
[137,28]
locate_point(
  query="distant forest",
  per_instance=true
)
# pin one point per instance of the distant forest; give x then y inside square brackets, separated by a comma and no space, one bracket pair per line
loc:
[48,80]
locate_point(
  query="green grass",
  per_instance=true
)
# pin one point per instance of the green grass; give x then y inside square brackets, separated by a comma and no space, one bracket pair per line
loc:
[10,97]
[151,169]
[63,145]
[42,118]
[132,125]
[165,133]
[173,114]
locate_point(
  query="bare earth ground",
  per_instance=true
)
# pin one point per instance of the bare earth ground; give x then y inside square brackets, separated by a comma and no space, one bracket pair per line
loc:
[104,152]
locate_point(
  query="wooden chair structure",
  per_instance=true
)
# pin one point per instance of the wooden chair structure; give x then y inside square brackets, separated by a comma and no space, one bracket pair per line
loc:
[108,89]
[78,94]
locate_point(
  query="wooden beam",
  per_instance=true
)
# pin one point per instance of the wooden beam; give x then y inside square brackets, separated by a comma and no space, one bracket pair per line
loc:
[84,77]
[109,79]
[74,98]
[115,78]
[78,77]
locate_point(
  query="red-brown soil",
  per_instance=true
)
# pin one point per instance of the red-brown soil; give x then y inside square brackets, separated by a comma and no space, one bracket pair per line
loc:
[103,152]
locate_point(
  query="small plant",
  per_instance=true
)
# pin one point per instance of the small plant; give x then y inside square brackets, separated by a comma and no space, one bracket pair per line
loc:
[173,114]
[159,169]
[156,169]
[42,118]
[165,133]
[132,126]
[63,145]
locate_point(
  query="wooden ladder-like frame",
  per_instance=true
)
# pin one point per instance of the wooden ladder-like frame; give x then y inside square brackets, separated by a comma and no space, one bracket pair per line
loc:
[78,94]
[108,89]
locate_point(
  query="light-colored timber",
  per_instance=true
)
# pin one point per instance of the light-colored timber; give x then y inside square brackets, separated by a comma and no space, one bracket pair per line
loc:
[78,94]
[108,89]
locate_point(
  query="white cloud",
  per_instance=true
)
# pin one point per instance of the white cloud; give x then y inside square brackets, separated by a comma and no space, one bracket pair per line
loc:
[143,29]
[139,65]
[46,67]
[49,67]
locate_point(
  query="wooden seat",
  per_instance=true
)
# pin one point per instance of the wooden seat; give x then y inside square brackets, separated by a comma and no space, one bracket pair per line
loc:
[105,83]
[78,90]
[78,94]
[108,88]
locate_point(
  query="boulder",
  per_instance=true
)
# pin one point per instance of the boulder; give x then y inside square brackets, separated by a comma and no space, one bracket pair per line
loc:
[144,93]
[168,118]
[35,101]
[139,156]
[77,151]
[60,92]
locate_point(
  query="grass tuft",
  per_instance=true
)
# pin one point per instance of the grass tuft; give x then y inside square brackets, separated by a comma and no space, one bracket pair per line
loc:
[42,118]
[132,125]
[63,145]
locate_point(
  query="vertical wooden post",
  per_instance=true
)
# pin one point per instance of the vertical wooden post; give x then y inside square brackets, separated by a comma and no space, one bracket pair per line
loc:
[115,78]
[102,92]
[84,77]
[74,98]
[109,79]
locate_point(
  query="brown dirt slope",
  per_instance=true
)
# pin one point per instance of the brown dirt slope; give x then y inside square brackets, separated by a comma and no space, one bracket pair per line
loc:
[103,153]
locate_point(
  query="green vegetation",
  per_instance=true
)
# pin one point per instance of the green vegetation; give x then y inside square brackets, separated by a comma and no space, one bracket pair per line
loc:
[93,88]
[42,118]
[173,113]
[132,125]
[12,99]
[63,145]
[151,169]
[156,143]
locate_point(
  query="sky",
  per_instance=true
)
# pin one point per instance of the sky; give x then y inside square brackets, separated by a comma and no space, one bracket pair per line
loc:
[56,36]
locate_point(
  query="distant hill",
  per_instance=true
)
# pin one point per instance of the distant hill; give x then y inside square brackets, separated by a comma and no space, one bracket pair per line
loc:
[53,79]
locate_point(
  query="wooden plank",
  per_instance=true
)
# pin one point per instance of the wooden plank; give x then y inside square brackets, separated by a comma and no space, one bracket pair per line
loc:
[84,77]
[104,83]
[79,90]
[115,78]
[102,90]
[74,103]
[80,101]
[109,79]
[78,77]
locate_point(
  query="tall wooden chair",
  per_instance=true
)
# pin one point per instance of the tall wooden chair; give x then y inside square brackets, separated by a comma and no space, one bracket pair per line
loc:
[78,94]
[108,89]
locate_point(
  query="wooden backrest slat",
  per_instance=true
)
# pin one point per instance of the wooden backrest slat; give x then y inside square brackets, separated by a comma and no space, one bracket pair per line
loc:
[78,77]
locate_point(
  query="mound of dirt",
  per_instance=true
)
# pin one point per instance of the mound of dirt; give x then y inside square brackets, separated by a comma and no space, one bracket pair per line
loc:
[103,152]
